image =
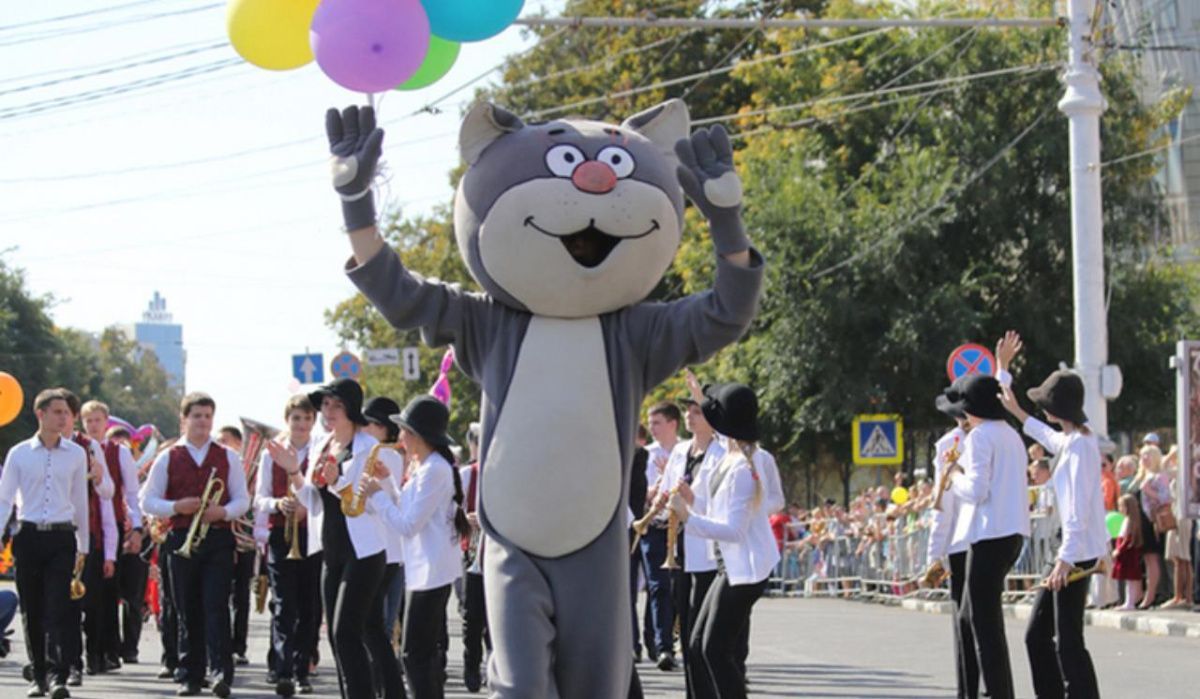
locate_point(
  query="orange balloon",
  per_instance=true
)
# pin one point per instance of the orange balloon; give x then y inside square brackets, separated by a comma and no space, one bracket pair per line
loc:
[12,398]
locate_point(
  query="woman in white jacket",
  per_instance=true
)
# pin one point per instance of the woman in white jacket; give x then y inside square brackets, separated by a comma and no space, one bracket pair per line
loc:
[736,525]
[431,520]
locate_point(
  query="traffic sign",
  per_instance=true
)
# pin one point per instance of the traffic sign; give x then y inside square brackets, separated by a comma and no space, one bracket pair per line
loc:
[412,363]
[383,357]
[878,440]
[308,368]
[970,359]
[346,366]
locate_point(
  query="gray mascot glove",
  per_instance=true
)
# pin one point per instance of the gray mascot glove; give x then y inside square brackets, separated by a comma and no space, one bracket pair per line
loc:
[707,176]
[355,144]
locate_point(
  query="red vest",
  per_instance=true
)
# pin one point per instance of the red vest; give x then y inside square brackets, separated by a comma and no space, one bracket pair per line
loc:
[95,524]
[112,454]
[279,489]
[469,505]
[186,480]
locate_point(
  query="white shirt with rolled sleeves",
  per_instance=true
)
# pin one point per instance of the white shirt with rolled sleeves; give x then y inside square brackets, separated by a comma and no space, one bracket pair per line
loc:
[425,517]
[108,524]
[265,502]
[129,481]
[1079,499]
[154,492]
[368,534]
[768,470]
[941,527]
[51,483]
[656,451]
[697,558]
[392,485]
[737,524]
[993,486]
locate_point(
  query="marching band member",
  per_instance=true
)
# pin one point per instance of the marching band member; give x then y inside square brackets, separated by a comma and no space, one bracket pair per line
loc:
[183,486]
[664,419]
[295,581]
[131,571]
[1059,660]
[474,611]
[245,556]
[88,615]
[378,412]
[431,519]
[741,541]
[993,520]
[353,544]
[49,474]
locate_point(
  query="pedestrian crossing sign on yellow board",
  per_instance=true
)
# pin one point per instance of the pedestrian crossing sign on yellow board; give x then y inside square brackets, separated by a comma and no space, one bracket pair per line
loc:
[878,440]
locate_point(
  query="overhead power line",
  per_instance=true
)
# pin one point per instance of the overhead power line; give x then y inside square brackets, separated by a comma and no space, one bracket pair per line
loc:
[75,15]
[802,23]
[88,28]
[114,69]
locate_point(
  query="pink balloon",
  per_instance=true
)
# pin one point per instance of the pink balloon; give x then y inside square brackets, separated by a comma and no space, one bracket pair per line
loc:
[369,45]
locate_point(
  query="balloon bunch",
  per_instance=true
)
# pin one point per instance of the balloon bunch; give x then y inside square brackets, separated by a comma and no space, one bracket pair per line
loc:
[143,441]
[365,45]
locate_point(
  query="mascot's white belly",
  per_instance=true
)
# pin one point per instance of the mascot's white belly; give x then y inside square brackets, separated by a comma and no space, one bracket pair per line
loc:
[552,479]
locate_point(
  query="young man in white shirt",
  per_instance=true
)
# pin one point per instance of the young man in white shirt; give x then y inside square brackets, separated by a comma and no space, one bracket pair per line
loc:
[201,579]
[664,427]
[49,475]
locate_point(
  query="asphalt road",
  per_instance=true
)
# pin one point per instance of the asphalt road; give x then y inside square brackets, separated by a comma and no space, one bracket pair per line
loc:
[799,648]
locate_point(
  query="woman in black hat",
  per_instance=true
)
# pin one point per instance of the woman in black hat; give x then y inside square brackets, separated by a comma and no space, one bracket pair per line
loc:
[353,544]
[431,520]
[736,523]
[1058,659]
[993,521]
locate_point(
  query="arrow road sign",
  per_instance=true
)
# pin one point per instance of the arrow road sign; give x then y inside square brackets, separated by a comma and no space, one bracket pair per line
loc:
[308,368]
[412,364]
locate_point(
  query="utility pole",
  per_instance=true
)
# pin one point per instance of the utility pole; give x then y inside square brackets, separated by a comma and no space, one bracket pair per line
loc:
[1083,104]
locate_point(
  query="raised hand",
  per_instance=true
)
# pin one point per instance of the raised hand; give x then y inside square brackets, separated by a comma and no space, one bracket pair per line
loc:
[707,176]
[1007,348]
[355,144]
[693,385]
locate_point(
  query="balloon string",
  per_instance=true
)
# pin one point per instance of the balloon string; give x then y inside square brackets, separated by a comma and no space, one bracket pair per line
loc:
[383,176]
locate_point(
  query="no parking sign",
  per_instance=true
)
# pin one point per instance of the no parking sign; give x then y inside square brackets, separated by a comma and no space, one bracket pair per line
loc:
[346,366]
[970,359]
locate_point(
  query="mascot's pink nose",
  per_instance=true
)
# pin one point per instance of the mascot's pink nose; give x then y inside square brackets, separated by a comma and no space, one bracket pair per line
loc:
[594,177]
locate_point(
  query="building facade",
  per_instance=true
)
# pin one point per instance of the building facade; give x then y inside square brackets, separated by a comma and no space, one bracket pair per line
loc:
[159,333]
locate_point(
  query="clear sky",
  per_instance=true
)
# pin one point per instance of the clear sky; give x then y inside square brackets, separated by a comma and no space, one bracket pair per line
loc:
[211,189]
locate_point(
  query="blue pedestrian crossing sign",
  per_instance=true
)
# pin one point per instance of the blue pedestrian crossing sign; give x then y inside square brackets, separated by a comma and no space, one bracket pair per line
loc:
[308,368]
[878,440]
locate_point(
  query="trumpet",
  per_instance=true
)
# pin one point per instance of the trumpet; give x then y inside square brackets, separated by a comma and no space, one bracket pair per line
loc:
[260,594]
[213,490]
[951,459]
[292,533]
[354,500]
[672,537]
[78,589]
[641,526]
[1075,575]
[934,575]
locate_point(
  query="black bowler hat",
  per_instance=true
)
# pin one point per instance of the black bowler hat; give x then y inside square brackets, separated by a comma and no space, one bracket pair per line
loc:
[346,390]
[981,397]
[1061,395]
[732,410]
[428,418]
[950,401]
[380,410]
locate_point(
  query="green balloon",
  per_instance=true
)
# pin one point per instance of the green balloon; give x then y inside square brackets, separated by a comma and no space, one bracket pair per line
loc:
[438,61]
[1114,521]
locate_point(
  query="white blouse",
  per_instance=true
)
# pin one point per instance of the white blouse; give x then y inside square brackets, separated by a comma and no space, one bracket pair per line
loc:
[367,532]
[425,518]
[738,526]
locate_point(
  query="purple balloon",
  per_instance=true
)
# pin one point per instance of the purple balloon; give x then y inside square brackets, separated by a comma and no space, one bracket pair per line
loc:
[369,45]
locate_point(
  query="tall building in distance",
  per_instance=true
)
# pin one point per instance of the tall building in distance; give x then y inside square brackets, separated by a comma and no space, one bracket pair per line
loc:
[160,334]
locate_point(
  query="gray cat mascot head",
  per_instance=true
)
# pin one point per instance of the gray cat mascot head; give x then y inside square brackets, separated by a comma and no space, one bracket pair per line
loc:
[570,218]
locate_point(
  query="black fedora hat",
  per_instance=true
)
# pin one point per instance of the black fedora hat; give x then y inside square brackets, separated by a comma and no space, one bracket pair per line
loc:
[950,401]
[732,410]
[380,410]
[1061,395]
[981,397]
[428,418]
[346,390]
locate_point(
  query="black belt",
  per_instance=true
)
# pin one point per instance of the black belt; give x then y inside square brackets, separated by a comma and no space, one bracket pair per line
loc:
[49,526]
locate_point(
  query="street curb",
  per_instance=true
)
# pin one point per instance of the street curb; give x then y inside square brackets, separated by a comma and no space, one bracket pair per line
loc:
[1139,622]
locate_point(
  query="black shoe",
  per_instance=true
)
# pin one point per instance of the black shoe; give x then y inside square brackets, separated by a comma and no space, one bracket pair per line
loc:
[189,689]
[272,677]
[666,662]
[305,685]
[241,659]
[472,679]
[27,672]
[220,688]
[130,660]
[166,673]
[75,679]
[92,670]
[5,647]
[285,688]
[60,691]
[652,652]
[637,655]
[37,689]
[111,664]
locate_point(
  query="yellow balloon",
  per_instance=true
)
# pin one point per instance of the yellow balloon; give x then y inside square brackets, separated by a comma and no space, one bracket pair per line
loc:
[271,34]
[12,398]
[899,495]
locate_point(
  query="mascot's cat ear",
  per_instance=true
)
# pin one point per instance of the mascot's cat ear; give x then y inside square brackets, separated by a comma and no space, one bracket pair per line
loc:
[664,124]
[485,123]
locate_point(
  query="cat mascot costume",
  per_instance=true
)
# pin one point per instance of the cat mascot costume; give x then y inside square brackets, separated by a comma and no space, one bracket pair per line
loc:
[567,226]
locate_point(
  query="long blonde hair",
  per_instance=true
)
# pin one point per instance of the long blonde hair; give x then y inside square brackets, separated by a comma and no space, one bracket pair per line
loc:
[1155,456]
[741,448]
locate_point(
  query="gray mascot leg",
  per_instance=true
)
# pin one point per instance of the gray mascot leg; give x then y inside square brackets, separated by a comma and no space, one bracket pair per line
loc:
[560,626]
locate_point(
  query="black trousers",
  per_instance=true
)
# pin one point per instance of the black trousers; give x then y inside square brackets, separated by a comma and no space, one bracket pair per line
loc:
[349,587]
[200,588]
[714,638]
[966,665]
[635,569]
[474,623]
[168,621]
[110,608]
[988,562]
[1060,662]
[295,598]
[698,585]
[658,585]
[379,641]
[89,616]
[239,602]
[424,619]
[132,572]
[45,562]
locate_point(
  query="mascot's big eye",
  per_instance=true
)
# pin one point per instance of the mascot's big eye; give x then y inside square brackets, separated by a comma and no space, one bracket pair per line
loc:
[618,159]
[563,159]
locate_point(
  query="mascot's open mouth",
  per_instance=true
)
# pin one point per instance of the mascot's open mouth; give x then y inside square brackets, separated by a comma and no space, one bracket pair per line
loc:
[590,246]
